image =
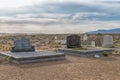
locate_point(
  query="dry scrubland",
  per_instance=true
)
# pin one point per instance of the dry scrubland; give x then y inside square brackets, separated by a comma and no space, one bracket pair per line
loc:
[39,40]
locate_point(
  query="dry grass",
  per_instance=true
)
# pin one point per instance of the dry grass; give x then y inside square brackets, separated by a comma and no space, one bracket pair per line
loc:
[39,41]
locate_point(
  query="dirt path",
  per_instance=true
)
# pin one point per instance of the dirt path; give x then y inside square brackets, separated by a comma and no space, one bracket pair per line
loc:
[74,68]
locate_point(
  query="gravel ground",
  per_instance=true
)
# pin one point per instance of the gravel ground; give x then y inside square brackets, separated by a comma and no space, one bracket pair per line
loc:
[73,68]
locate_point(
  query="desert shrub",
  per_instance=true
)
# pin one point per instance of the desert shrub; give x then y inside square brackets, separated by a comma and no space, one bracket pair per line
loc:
[57,46]
[8,59]
[117,52]
[55,50]
[105,54]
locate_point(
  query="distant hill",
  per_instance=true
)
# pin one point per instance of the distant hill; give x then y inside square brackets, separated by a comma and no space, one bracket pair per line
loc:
[113,31]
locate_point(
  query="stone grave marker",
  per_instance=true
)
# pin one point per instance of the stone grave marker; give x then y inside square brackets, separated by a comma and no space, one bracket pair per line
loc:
[93,44]
[108,41]
[21,45]
[85,37]
[73,41]
[17,44]
[26,44]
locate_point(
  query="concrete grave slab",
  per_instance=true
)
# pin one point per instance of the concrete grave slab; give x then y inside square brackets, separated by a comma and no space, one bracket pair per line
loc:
[29,57]
[91,51]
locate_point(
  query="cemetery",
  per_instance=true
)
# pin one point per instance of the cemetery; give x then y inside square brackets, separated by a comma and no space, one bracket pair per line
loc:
[59,40]
[88,62]
[23,51]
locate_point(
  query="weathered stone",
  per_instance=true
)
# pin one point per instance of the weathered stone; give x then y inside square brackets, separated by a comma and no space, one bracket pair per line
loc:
[30,57]
[21,45]
[93,44]
[85,37]
[73,41]
[108,41]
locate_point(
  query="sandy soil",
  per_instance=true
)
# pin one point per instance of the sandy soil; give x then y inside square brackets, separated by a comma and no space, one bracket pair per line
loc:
[73,68]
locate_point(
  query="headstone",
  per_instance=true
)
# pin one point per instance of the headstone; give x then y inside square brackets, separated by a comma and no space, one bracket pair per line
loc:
[21,45]
[98,40]
[73,41]
[93,44]
[17,44]
[85,37]
[108,41]
[26,44]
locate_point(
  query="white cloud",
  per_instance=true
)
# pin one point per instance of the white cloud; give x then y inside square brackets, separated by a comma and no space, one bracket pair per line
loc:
[17,3]
[58,16]
[60,25]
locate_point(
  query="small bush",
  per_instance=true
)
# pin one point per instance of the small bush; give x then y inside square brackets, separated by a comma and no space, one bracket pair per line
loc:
[105,54]
[117,52]
[8,59]
[55,50]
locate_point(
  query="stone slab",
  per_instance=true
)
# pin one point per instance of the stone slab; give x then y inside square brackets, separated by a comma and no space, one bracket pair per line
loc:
[91,51]
[28,57]
[22,45]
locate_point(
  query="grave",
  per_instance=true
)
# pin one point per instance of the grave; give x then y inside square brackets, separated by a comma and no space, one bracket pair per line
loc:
[22,45]
[73,41]
[85,37]
[30,57]
[108,41]
[23,52]
[73,48]
[93,44]
[89,51]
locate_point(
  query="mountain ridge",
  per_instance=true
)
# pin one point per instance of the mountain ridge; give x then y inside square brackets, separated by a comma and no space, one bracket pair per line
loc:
[113,31]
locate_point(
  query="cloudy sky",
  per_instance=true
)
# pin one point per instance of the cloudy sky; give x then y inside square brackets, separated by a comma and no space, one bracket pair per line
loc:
[58,16]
